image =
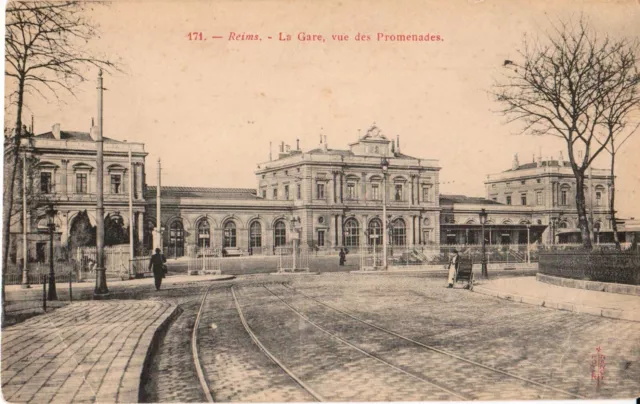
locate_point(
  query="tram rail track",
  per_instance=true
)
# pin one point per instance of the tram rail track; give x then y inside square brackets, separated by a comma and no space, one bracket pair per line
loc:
[194,349]
[429,347]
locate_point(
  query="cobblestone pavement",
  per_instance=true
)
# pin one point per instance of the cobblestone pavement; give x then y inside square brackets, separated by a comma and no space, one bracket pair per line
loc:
[333,369]
[549,346]
[454,374]
[172,375]
[86,351]
[236,368]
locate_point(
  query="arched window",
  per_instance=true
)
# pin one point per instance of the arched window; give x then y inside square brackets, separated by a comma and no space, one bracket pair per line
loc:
[280,234]
[176,239]
[563,225]
[229,239]
[399,232]
[255,235]
[204,234]
[351,233]
[375,230]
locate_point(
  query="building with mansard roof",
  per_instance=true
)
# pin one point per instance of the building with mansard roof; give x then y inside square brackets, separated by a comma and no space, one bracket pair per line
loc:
[61,170]
[325,198]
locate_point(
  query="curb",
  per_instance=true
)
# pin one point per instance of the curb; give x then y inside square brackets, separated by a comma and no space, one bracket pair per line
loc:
[576,308]
[131,383]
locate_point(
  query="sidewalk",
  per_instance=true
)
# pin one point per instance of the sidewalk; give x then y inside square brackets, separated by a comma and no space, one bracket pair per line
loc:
[87,351]
[27,302]
[528,290]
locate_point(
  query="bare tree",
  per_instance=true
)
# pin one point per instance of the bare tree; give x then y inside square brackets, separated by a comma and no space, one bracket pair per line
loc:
[44,53]
[560,89]
[619,106]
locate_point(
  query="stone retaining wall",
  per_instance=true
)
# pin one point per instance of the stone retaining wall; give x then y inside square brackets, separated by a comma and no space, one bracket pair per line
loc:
[589,285]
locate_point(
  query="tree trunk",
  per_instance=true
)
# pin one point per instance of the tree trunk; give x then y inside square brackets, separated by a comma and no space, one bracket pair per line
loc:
[10,178]
[612,200]
[583,222]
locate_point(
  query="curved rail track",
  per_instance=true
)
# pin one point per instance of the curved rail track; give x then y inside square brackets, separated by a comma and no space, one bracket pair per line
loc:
[315,394]
[429,347]
[194,349]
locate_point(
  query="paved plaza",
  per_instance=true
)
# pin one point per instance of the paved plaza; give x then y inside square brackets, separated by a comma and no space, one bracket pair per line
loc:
[330,337]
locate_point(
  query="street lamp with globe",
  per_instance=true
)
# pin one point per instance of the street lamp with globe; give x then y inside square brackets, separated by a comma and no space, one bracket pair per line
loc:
[384,164]
[483,219]
[51,224]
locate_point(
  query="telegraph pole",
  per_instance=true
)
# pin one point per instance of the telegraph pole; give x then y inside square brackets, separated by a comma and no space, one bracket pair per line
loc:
[131,219]
[25,258]
[158,216]
[101,277]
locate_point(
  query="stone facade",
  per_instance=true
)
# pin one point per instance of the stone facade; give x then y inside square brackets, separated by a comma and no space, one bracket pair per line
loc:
[62,172]
[325,198]
[544,191]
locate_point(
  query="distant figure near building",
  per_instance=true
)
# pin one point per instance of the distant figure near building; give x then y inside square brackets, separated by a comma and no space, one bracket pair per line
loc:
[454,263]
[342,256]
[157,265]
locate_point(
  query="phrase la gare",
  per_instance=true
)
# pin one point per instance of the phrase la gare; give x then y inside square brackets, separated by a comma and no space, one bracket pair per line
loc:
[311,37]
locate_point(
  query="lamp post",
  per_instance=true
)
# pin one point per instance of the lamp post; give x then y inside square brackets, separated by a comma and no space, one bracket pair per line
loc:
[51,214]
[483,219]
[528,244]
[596,227]
[295,221]
[384,164]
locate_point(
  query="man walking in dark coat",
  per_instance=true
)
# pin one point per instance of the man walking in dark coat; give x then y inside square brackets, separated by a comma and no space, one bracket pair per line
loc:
[157,265]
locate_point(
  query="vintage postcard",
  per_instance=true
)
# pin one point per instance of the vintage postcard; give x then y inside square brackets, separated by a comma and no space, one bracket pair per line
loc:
[330,200]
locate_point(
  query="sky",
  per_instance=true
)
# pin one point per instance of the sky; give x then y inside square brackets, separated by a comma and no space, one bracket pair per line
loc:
[210,108]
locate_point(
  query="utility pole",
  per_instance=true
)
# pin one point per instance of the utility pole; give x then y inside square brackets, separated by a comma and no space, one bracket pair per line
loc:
[25,258]
[131,219]
[158,216]
[101,289]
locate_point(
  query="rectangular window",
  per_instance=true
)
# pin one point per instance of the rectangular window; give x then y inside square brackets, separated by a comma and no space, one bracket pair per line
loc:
[563,198]
[375,192]
[351,191]
[539,199]
[286,192]
[426,194]
[523,182]
[298,191]
[116,184]
[538,180]
[494,199]
[508,199]
[275,193]
[264,194]
[81,183]
[320,191]
[320,238]
[523,199]
[398,194]
[508,184]
[45,183]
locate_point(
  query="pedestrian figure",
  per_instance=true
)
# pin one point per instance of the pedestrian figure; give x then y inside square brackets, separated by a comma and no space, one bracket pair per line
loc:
[342,257]
[454,264]
[157,265]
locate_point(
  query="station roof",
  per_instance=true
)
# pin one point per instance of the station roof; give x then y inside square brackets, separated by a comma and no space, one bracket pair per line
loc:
[205,192]
[471,200]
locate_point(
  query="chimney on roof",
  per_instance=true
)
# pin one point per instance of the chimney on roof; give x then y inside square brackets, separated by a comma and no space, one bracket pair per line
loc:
[270,156]
[297,144]
[561,158]
[93,133]
[55,129]
[287,149]
[282,147]
[393,146]
[325,146]
[398,143]
[516,163]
